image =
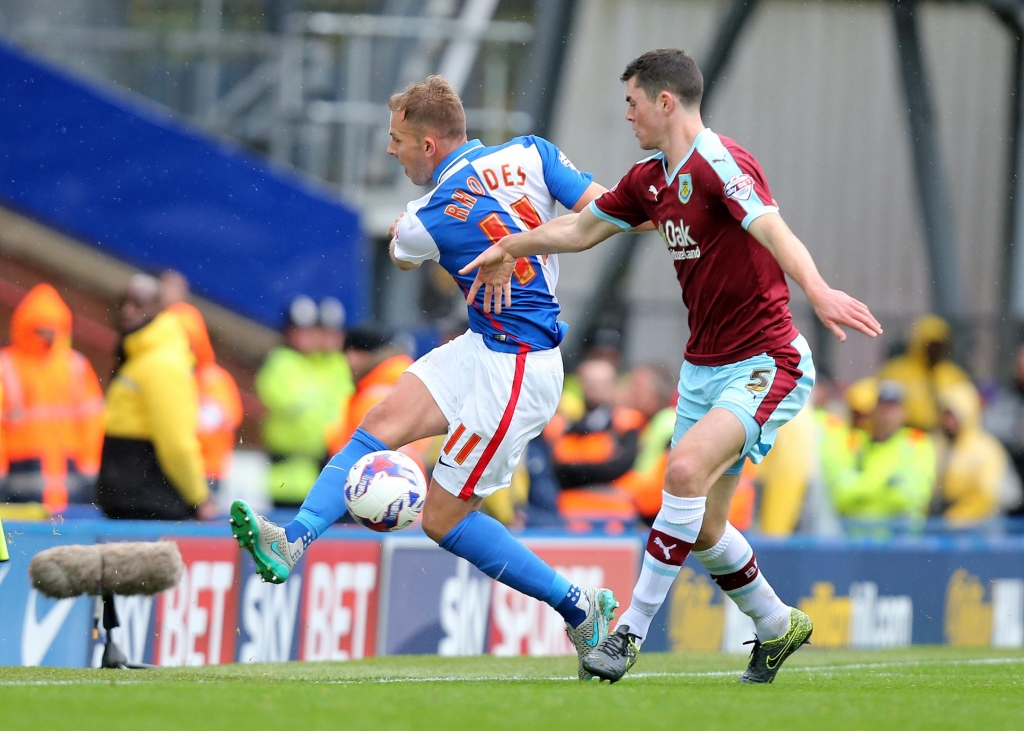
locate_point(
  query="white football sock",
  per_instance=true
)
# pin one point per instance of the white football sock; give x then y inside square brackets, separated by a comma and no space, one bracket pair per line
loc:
[733,566]
[674,532]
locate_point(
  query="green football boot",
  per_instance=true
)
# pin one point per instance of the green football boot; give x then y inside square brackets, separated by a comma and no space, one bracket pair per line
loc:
[594,628]
[614,656]
[767,657]
[274,556]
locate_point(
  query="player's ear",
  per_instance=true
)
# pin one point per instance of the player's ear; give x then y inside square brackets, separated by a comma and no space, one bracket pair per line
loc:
[667,102]
[429,145]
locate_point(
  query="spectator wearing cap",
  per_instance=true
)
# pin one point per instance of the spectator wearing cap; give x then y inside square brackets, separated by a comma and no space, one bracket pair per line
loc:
[892,470]
[924,370]
[976,478]
[152,466]
[301,385]
[377,363]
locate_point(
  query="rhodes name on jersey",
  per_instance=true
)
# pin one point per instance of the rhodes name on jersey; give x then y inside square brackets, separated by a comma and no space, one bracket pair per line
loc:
[485,193]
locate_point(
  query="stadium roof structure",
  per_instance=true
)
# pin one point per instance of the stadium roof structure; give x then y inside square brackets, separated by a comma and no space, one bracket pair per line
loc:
[606,307]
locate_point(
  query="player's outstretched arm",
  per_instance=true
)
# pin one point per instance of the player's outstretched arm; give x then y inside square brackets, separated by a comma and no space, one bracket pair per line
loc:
[563,235]
[834,308]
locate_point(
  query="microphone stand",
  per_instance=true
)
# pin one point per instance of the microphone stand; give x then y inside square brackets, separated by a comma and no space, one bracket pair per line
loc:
[113,656]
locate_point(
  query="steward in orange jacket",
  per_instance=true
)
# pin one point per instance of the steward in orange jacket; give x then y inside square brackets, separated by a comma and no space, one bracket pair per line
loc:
[220,403]
[376,365]
[52,417]
[596,450]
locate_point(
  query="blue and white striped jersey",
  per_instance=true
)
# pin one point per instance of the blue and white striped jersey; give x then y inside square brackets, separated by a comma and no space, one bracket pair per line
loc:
[485,193]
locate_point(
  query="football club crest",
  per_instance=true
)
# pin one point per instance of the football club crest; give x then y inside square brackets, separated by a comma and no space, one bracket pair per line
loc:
[685,187]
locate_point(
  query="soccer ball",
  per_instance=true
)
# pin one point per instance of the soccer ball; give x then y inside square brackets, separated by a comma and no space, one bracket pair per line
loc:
[385,491]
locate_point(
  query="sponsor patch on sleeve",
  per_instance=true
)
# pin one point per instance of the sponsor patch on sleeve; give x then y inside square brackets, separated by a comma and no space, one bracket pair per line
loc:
[739,187]
[566,161]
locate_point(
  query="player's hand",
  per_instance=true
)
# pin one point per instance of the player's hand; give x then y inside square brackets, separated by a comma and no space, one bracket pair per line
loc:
[494,273]
[393,229]
[835,308]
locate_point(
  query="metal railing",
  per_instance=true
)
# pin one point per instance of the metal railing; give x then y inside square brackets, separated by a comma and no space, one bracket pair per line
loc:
[313,95]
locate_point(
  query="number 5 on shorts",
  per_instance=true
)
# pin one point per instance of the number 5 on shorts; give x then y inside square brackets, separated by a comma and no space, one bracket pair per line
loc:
[758,379]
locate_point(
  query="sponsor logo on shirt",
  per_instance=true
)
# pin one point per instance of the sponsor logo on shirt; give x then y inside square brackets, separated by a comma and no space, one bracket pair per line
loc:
[566,161]
[685,187]
[678,240]
[739,187]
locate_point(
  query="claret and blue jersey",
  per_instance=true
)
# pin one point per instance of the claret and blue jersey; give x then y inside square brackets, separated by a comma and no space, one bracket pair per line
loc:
[485,193]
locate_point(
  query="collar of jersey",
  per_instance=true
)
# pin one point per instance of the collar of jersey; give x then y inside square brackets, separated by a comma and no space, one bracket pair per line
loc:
[453,157]
[696,140]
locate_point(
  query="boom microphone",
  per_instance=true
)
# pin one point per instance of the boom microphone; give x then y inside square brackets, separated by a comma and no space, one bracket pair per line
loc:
[106,569]
[63,572]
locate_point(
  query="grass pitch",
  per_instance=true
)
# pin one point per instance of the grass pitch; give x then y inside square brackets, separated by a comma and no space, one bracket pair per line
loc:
[920,688]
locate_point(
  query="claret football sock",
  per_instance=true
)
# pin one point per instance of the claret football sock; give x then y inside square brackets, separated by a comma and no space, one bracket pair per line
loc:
[486,544]
[325,502]
[675,530]
[733,566]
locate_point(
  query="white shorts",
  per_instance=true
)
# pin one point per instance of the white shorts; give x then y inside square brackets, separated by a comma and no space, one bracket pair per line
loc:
[495,403]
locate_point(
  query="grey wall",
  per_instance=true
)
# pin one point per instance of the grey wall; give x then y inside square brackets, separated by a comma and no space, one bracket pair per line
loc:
[813,92]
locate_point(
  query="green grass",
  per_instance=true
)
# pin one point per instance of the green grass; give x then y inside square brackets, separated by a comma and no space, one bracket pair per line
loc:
[920,688]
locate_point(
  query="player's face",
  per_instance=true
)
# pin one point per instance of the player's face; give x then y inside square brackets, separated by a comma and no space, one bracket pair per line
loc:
[410,149]
[644,115]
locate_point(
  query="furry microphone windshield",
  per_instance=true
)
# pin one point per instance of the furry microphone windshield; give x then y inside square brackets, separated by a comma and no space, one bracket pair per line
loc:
[106,568]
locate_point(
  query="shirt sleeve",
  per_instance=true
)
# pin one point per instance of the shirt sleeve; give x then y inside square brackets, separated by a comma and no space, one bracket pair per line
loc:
[621,205]
[741,185]
[565,182]
[413,243]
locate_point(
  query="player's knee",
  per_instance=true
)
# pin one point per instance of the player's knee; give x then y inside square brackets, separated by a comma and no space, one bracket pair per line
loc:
[434,525]
[684,477]
[382,421]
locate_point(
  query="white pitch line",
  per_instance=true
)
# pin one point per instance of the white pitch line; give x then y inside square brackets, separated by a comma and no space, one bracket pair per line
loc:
[848,667]
[813,669]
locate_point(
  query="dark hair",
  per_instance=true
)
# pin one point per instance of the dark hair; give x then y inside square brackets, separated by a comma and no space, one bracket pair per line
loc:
[667,69]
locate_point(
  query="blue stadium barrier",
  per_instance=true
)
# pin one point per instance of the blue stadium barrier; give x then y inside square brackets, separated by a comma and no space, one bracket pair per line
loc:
[117,172]
[357,594]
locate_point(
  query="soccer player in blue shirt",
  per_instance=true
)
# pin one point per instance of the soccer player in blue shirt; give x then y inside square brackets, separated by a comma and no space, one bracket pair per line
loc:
[490,390]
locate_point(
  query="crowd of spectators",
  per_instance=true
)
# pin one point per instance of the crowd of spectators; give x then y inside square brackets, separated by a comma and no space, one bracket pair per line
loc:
[885,453]
[914,441]
[154,446]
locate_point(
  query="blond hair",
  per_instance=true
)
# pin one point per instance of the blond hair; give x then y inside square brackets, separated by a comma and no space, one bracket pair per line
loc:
[432,105]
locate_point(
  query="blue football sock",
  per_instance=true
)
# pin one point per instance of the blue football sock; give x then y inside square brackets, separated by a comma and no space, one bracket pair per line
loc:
[486,544]
[325,502]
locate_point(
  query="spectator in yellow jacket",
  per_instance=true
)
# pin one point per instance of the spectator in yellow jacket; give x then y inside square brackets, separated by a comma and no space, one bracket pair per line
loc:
[924,370]
[785,473]
[152,467]
[304,385]
[976,476]
[893,471]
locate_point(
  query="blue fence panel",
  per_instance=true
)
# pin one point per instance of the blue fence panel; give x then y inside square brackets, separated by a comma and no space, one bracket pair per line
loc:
[117,172]
[357,594]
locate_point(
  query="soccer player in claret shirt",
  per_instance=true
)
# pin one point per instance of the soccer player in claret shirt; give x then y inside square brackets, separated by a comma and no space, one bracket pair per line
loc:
[747,370]
[490,390]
